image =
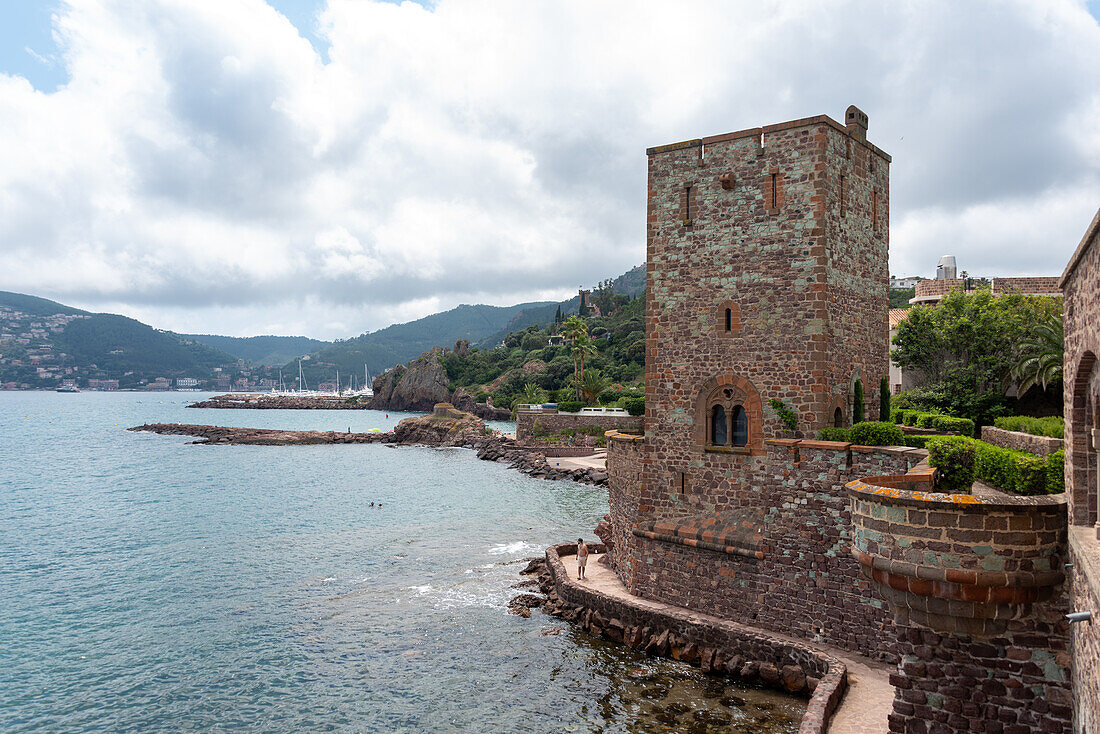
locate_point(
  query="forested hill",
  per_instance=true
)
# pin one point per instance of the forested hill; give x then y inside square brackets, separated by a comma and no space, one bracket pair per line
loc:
[261,350]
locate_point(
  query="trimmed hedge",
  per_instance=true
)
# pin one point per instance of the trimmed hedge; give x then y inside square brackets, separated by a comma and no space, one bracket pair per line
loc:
[935,421]
[570,406]
[1056,472]
[876,433]
[1018,472]
[833,434]
[954,457]
[1053,426]
[634,406]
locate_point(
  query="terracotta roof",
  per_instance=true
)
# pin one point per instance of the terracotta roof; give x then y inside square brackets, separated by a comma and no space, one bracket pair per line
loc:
[897,315]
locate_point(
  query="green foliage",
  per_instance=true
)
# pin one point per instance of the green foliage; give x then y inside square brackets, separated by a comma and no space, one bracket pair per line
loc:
[593,384]
[876,433]
[117,343]
[1053,426]
[788,416]
[857,402]
[965,347]
[1056,476]
[944,423]
[954,457]
[265,350]
[833,434]
[570,406]
[900,298]
[916,442]
[634,406]
[884,398]
[1039,354]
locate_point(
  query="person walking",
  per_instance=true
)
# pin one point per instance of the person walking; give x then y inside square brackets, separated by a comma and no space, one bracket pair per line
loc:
[582,557]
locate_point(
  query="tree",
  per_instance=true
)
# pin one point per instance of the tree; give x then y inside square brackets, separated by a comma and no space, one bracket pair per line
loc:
[532,395]
[1040,352]
[964,349]
[605,296]
[581,347]
[593,383]
[572,329]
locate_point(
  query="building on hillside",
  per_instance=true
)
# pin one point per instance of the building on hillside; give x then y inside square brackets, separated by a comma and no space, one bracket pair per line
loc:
[585,305]
[904,284]
[187,382]
[1081,385]
[931,292]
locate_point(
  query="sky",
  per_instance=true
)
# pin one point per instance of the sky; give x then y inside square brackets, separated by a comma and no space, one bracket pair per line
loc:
[329,167]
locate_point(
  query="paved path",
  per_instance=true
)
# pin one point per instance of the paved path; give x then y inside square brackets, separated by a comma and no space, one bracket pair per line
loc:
[596,461]
[870,697]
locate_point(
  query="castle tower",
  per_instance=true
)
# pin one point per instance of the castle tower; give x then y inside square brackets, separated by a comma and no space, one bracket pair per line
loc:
[767,276]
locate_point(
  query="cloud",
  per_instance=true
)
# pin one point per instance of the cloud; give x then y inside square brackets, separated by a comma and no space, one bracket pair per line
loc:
[207,170]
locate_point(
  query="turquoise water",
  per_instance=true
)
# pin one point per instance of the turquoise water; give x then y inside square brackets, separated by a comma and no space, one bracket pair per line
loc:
[153,585]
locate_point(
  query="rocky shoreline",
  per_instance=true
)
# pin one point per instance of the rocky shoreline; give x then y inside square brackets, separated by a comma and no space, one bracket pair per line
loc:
[446,427]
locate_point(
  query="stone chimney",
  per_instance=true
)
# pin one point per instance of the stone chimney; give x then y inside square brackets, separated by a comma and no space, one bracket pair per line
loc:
[856,121]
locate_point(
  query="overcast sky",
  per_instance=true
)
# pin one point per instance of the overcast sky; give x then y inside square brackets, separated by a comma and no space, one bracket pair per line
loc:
[328,168]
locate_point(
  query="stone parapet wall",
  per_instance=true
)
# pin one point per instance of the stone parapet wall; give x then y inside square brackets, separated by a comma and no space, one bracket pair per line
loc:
[1085,639]
[795,494]
[716,645]
[1019,441]
[1029,286]
[926,289]
[530,426]
[976,587]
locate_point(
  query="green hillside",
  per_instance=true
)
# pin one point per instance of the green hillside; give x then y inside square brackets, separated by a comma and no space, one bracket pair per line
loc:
[120,344]
[400,343]
[35,306]
[261,350]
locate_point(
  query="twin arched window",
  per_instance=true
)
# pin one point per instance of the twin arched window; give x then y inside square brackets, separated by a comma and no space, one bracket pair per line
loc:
[729,424]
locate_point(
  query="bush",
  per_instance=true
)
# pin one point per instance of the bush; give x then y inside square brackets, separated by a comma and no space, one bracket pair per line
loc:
[917,442]
[634,406]
[876,433]
[896,414]
[1053,426]
[569,406]
[950,424]
[954,457]
[1056,477]
[909,417]
[788,416]
[833,434]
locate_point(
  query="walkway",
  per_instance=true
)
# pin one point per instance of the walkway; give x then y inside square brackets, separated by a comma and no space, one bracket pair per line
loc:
[864,708]
[595,461]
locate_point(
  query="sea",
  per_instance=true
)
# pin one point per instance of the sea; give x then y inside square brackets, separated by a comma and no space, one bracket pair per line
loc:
[148,584]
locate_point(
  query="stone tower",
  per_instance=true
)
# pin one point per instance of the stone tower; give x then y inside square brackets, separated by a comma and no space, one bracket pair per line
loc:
[767,273]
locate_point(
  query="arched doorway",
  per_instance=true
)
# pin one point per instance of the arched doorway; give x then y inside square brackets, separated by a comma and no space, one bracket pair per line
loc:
[1081,459]
[838,418]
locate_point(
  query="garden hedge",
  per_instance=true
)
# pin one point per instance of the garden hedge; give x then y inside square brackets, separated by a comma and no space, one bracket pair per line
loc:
[1053,426]
[1018,472]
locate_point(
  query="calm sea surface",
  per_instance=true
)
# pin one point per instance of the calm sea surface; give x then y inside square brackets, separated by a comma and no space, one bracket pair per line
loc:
[151,585]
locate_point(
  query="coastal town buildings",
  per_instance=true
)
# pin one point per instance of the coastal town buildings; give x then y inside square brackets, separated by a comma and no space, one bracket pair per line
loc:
[766,306]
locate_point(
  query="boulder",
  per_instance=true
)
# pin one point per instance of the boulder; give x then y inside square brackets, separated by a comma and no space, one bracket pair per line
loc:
[769,673]
[793,678]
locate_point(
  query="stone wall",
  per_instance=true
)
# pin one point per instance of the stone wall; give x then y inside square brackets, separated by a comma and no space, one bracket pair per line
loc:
[1030,286]
[976,587]
[717,646]
[1019,441]
[795,556]
[1085,640]
[530,426]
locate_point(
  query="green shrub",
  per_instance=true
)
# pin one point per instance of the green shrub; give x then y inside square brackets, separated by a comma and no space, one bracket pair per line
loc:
[876,433]
[570,406]
[833,434]
[896,414]
[924,420]
[954,457]
[1031,473]
[1053,426]
[950,424]
[909,417]
[917,442]
[1018,472]
[634,406]
[1056,477]
[788,416]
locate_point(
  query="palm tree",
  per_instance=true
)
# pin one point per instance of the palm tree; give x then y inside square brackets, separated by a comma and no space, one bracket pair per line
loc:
[532,395]
[574,328]
[1039,356]
[593,383]
[582,347]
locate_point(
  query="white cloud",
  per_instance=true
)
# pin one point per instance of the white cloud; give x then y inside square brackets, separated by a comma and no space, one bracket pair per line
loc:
[206,170]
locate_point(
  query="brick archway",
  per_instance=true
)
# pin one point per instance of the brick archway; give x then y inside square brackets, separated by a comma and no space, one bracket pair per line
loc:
[1081,462]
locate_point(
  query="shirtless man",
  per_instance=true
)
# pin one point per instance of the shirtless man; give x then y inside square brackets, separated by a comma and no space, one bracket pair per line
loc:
[582,557]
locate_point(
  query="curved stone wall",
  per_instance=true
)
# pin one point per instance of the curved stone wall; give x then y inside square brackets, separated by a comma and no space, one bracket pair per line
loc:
[957,563]
[1019,441]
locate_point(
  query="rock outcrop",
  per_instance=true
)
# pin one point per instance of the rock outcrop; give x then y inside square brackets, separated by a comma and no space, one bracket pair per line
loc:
[258,436]
[416,387]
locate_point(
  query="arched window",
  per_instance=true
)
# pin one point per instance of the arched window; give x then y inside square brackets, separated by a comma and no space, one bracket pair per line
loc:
[729,319]
[718,431]
[740,422]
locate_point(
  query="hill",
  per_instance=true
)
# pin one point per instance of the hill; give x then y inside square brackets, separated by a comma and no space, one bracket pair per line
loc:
[261,350]
[120,344]
[35,306]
